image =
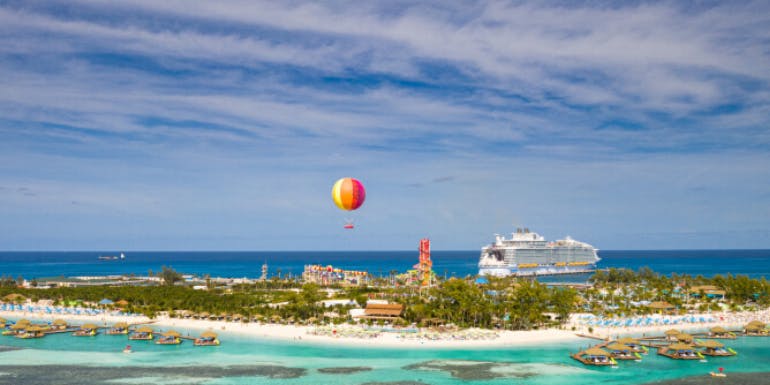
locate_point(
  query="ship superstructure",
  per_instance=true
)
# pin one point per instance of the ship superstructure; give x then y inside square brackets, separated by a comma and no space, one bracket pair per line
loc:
[529,254]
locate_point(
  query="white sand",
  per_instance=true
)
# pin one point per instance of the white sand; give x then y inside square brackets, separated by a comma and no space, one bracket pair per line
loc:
[385,339]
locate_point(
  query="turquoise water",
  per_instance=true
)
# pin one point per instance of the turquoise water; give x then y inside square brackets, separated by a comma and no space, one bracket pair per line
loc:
[541,365]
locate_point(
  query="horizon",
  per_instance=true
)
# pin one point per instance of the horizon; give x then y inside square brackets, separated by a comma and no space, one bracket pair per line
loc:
[326,251]
[224,125]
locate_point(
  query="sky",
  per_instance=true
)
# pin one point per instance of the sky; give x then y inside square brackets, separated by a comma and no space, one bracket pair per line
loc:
[182,125]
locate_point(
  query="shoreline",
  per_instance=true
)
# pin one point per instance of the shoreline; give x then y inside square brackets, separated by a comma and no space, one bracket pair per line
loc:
[425,339]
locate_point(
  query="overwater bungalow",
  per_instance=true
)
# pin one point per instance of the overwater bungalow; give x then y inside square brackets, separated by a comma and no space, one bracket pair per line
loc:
[142,333]
[680,351]
[32,331]
[671,334]
[170,337]
[684,337]
[87,330]
[594,357]
[17,328]
[59,324]
[207,338]
[721,333]
[756,328]
[118,328]
[633,343]
[715,348]
[619,351]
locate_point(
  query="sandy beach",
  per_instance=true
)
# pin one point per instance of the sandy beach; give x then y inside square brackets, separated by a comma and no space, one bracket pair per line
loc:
[356,335]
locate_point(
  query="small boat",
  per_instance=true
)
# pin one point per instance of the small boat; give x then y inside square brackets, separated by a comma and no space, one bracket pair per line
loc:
[111,257]
[127,349]
[715,374]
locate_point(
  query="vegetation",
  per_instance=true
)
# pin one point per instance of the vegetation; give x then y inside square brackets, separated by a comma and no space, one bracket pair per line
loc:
[504,303]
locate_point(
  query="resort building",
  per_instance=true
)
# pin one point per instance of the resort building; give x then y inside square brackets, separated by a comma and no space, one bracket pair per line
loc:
[707,291]
[330,275]
[382,311]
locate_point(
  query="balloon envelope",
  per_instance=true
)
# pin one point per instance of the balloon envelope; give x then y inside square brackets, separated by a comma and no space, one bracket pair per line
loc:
[348,194]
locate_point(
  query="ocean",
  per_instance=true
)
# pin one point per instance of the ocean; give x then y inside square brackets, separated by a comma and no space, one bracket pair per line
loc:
[62,359]
[42,264]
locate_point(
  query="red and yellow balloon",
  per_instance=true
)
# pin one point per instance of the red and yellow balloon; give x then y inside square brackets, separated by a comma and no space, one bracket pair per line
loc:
[348,194]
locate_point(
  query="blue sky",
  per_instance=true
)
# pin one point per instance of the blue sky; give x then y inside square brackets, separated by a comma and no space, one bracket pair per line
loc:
[146,125]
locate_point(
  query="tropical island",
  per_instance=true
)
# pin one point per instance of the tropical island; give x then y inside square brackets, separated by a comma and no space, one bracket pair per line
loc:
[470,308]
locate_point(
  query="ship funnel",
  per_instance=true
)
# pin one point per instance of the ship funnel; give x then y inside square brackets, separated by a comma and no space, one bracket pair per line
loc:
[526,230]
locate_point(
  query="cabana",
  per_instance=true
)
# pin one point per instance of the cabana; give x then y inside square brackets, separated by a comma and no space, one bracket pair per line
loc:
[715,348]
[142,333]
[756,328]
[594,357]
[118,328]
[680,351]
[207,338]
[671,334]
[87,330]
[170,337]
[619,351]
[633,343]
[32,331]
[684,337]
[720,332]
[662,306]
[59,324]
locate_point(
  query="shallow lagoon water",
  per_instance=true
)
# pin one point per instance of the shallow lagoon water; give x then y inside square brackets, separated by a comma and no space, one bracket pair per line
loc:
[65,359]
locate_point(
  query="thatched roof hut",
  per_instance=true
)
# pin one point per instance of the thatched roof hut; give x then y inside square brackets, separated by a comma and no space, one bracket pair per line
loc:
[599,352]
[672,332]
[120,325]
[711,344]
[661,305]
[680,346]
[14,297]
[89,327]
[718,330]
[144,329]
[208,334]
[684,337]
[23,321]
[18,326]
[628,341]
[172,333]
[619,347]
[59,322]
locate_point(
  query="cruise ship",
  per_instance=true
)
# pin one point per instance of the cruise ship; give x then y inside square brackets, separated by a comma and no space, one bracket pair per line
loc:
[529,254]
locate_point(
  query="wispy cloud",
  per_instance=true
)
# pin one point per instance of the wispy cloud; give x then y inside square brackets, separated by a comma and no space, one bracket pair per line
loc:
[100,101]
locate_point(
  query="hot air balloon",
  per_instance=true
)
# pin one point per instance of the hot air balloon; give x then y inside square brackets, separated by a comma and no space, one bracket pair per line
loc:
[348,194]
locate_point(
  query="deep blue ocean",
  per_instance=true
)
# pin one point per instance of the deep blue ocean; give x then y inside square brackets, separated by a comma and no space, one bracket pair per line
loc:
[42,264]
